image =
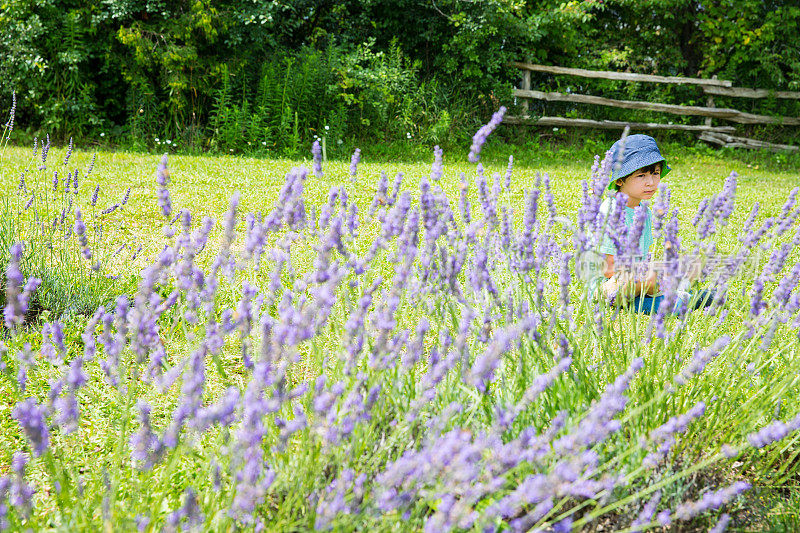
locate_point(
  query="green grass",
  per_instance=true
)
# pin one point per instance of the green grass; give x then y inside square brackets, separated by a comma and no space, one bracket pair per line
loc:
[204,184]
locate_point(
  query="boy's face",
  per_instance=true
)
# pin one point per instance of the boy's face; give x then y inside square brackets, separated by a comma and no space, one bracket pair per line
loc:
[641,184]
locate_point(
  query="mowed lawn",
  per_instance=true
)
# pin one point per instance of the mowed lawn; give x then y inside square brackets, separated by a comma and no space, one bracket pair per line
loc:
[204,184]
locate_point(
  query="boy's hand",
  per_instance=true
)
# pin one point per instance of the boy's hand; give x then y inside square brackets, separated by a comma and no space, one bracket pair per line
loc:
[650,282]
[618,286]
[610,288]
[694,269]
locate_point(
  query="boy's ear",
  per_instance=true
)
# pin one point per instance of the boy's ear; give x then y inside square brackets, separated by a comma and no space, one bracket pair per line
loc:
[619,182]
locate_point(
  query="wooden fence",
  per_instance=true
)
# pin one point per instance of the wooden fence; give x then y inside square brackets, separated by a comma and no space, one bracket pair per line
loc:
[720,135]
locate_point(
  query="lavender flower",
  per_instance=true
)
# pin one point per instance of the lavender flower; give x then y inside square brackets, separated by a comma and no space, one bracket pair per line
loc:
[316,152]
[721,525]
[162,179]
[53,346]
[188,516]
[67,412]
[482,372]
[563,281]
[436,168]
[646,514]
[69,152]
[354,161]
[94,195]
[664,436]
[726,200]
[91,165]
[17,295]
[757,304]
[710,500]
[483,133]
[110,209]
[146,448]
[10,123]
[80,231]
[773,432]
[142,522]
[31,417]
[701,358]
[598,423]
[19,492]
[45,151]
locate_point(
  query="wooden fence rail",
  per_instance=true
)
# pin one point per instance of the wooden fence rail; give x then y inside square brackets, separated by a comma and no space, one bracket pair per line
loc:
[715,112]
[715,134]
[620,76]
[613,124]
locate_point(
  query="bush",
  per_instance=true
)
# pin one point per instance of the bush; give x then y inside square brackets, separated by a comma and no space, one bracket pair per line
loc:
[78,273]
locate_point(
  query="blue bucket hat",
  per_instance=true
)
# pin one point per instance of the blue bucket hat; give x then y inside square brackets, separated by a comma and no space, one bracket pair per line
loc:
[639,151]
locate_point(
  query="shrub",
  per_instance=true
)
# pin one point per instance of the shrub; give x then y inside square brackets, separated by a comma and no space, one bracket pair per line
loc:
[78,273]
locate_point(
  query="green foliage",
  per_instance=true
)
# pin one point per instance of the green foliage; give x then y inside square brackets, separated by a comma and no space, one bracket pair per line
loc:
[137,70]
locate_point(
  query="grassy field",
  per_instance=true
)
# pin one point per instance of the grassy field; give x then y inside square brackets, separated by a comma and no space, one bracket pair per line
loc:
[314,471]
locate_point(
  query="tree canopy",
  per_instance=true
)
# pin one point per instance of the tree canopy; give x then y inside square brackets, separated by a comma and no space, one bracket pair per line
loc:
[175,67]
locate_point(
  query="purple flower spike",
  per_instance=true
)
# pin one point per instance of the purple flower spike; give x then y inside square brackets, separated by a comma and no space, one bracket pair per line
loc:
[80,231]
[162,178]
[354,161]
[17,296]
[647,512]
[188,516]
[710,500]
[12,113]
[145,445]
[30,416]
[701,359]
[599,422]
[772,433]
[480,137]
[316,151]
[18,492]
[436,169]
[721,525]
[14,279]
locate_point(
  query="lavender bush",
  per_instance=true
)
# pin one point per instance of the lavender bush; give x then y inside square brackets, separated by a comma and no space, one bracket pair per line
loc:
[63,226]
[400,365]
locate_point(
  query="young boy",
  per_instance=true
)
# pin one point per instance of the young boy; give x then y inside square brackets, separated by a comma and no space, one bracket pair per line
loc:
[637,171]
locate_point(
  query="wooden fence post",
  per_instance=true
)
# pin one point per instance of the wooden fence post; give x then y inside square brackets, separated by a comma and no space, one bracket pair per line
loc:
[526,86]
[710,103]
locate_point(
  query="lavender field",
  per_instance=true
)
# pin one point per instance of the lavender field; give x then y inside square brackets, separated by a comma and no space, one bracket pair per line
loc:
[223,344]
